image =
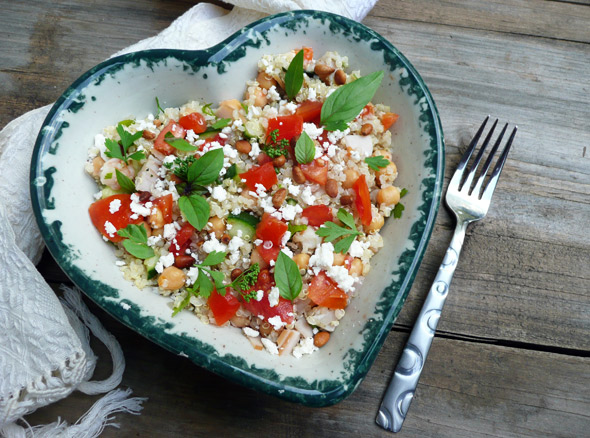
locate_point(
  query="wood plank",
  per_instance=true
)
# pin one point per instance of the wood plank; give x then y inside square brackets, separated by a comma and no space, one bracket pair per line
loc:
[527,260]
[467,390]
[548,19]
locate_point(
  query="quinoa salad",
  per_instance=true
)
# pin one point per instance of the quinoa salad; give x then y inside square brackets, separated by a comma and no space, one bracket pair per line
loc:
[260,214]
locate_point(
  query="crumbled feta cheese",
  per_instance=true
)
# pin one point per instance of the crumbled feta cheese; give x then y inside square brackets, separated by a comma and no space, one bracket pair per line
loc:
[255,150]
[191,275]
[110,228]
[99,143]
[219,193]
[332,150]
[341,276]
[307,196]
[270,346]
[289,212]
[259,295]
[250,332]
[258,242]
[98,195]
[287,252]
[120,263]
[154,240]
[260,190]
[169,231]
[236,211]
[114,205]
[312,130]
[323,257]
[294,189]
[276,322]
[138,208]
[164,262]
[273,297]
[272,94]
[356,249]
[334,136]
[213,245]
[285,238]
[305,346]
[290,107]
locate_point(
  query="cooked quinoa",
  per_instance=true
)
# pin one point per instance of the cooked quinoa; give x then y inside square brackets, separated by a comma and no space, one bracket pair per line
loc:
[264,201]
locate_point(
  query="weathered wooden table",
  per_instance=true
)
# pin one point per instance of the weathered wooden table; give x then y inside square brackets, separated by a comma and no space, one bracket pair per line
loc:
[512,357]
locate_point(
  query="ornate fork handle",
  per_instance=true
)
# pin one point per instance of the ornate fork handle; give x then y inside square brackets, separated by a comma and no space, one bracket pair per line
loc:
[400,391]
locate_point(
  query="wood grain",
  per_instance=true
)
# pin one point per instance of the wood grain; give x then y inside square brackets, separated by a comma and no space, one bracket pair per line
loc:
[467,390]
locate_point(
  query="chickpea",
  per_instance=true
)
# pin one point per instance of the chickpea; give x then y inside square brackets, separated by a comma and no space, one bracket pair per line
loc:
[376,224]
[321,339]
[339,259]
[171,278]
[388,196]
[217,226]
[97,163]
[387,174]
[366,129]
[331,187]
[265,81]
[157,231]
[148,229]
[156,219]
[298,175]
[243,146]
[302,260]
[157,122]
[356,267]
[351,176]
[259,96]
[385,154]
[227,107]
[340,77]
[279,197]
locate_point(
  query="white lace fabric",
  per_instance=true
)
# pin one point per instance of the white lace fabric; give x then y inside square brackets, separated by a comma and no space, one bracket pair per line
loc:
[44,349]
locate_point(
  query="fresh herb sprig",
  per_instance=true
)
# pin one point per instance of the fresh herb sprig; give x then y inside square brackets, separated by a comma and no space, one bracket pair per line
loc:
[294,76]
[207,110]
[331,231]
[119,149]
[126,184]
[377,162]
[160,110]
[287,277]
[136,241]
[304,149]
[201,172]
[179,143]
[275,147]
[399,207]
[344,104]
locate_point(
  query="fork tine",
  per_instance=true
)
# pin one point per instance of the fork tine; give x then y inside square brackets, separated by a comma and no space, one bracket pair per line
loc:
[489,190]
[488,163]
[458,175]
[467,184]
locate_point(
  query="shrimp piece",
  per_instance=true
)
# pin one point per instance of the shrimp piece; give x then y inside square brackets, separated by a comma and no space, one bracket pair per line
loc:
[108,174]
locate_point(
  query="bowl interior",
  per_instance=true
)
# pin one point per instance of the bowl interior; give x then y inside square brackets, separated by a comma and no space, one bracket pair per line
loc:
[126,87]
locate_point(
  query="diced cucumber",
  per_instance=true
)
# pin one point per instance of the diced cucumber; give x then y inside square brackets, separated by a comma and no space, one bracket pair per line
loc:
[107,191]
[209,134]
[292,201]
[150,265]
[253,129]
[244,222]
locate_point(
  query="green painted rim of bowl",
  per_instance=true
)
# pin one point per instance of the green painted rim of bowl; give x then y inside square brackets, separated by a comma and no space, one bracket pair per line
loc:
[317,393]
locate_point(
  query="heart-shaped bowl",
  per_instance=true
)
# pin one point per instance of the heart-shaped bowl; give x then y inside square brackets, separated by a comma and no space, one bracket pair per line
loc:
[125,87]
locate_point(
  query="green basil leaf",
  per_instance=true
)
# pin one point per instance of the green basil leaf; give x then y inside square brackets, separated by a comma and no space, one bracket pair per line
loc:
[377,162]
[136,233]
[294,76]
[231,172]
[287,276]
[196,210]
[139,250]
[126,184]
[206,169]
[214,258]
[403,193]
[113,149]
[179,143]
[304,149]
[344,104]
[343,245]
[205,284]
[221,123]
[397,210]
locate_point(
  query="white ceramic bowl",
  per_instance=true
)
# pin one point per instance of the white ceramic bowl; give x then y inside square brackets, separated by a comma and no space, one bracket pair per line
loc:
[125,87]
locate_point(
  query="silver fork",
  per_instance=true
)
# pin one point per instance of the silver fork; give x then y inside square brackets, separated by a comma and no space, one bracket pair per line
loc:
[469,205]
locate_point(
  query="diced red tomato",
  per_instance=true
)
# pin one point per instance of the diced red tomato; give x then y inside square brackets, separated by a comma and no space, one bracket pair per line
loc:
[362,200]
[100,214]
[323,291]
[194,121]
[164,204]
[317,214]
[316,171]
[264,175]
[388,119]
[160,144]
[183,239]
[223,307]
[284,309]
[271,229]
[310,111]
[288,126]
[269,254]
